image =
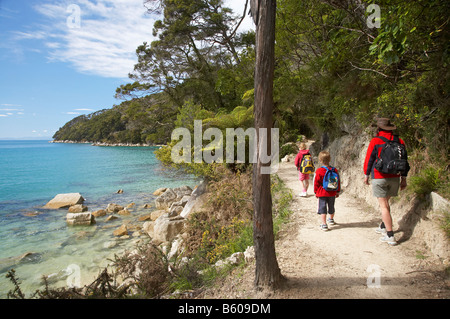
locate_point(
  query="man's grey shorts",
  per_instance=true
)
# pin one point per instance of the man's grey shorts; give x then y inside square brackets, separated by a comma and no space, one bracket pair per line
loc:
[385,187]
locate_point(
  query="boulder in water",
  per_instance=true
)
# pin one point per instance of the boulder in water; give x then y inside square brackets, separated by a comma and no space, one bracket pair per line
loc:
[10,262]
[65,201]
[99,213]
[121,231]
[78,208]
[80,219]
[113,208]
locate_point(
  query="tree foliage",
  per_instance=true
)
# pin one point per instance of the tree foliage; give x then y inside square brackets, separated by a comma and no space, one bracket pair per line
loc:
[199,59]
[330,66]
[195,56]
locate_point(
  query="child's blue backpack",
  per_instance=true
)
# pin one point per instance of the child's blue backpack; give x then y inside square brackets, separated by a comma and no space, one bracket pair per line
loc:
[331,179]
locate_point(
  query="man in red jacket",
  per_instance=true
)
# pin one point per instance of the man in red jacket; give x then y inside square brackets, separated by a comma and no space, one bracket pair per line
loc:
[384,186]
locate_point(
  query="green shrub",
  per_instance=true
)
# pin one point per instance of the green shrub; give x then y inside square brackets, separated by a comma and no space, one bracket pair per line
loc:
[288,149]
[446,223]
[430,179]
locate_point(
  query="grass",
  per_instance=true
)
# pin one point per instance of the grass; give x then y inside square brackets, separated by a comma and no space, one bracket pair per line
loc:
[430,179]
[281,197]
[445,223]
[428,174]
[420,255]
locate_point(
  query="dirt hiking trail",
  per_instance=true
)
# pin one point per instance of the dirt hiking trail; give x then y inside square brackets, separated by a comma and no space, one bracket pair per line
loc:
[348,261]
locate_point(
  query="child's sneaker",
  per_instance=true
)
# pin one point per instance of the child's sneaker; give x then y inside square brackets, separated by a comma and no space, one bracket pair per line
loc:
[390,240]
[323,227]
[380,230]
[331,221]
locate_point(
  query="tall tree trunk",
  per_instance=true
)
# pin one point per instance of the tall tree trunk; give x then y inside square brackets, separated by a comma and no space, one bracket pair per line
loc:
[267,272]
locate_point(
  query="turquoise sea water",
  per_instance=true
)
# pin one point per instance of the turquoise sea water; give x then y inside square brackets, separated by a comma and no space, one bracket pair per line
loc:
[33,172]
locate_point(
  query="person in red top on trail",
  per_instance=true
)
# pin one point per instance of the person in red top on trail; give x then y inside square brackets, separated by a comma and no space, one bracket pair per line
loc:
[384,186]
[326,198]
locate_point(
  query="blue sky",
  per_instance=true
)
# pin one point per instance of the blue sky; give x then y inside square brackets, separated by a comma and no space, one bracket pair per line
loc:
[60,59]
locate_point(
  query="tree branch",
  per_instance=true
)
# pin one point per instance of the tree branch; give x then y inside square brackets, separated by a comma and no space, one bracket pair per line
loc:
[371,70]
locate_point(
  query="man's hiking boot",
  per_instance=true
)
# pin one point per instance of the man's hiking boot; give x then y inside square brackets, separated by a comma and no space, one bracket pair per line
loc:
[390,240]
[331,221]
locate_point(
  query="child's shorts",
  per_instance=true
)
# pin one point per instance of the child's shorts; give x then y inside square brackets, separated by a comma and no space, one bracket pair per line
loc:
[324,203]
[385,187]
[303,177]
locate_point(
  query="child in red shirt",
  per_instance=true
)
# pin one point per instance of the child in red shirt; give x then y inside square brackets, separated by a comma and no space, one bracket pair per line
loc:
[326,198]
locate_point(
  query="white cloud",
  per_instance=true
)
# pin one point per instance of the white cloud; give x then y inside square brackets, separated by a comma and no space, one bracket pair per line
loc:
[108,34]
[86,110]
[11,105]
[53,45]
[105,42]
[9,111]
[11,108]
[7,13]
[52,10]
[37,35]
[71,113]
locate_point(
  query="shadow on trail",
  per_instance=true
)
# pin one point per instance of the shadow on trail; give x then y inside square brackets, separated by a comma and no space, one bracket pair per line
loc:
[417,212]
[366,224]
[324,284]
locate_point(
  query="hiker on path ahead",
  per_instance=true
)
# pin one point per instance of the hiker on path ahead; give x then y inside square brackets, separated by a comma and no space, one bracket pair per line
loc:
[386,163]
[306,165]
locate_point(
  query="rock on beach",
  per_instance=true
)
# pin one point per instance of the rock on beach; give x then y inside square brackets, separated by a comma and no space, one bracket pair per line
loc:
[170,195]
[166,228]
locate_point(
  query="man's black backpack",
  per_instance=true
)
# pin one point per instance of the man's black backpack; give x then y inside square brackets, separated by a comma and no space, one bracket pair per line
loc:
[392,158]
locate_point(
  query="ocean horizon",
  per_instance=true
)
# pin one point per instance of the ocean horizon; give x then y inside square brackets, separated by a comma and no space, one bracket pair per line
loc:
[32,172]
[30,138]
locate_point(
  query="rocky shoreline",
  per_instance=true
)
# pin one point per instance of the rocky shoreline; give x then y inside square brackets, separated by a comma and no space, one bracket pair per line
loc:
[163,225]
[161,221]
[104,143]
